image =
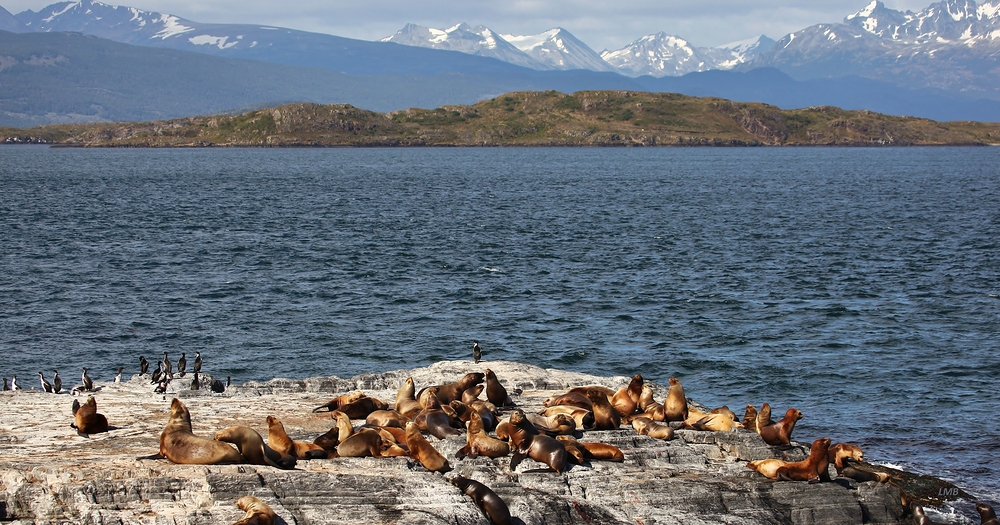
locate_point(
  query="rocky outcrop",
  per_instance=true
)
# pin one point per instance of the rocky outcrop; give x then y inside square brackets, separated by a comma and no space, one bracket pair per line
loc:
[49,474]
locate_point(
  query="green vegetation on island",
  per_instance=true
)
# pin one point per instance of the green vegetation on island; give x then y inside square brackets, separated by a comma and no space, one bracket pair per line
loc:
[586,118]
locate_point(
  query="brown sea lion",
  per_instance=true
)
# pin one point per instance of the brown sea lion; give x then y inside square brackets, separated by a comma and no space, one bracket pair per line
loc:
[452,391]
[750,418]
[605,415]
[387,418]
[258,512]
[398,434]
[278,439]
[716,423]
[472,394]
[864,475]
[252,447]
[366,442]
[424,452]
[575,399]
[780,434]
[87,420]
[574,453]
[623,402]
[584,418]
[434,420]
[767,467]
[495,392]
[608,393]
[406,402]
[339,401]
[361,408]
[649,407]
[487,500]
[648,427]
[675,406]
[336,435]
[329,440]
[764,417]
[479,443]
[179,444]
[987,515]
[841,451]
[538,447]
[724,410]
[556,424]
[812,467]
[594,449]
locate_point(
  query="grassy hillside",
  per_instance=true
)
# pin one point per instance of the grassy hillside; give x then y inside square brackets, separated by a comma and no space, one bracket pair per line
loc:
[587,118]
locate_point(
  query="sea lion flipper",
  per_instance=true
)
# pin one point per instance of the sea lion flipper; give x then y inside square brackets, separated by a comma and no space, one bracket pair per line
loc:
[151,456]
[515,459]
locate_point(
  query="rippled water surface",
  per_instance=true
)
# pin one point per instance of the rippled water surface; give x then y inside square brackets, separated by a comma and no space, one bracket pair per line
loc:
[858,285]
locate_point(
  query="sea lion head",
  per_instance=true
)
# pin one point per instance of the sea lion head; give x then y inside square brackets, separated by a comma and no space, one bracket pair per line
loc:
[793,414]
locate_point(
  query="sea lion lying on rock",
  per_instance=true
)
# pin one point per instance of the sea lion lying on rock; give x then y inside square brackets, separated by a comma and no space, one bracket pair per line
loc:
[258,512]
[179,444]
[87,420]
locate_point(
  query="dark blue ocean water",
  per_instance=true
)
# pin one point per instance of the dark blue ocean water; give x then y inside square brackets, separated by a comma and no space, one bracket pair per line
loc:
[858,285]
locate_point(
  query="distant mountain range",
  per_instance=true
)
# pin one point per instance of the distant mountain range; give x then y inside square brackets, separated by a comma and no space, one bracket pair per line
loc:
[941,63]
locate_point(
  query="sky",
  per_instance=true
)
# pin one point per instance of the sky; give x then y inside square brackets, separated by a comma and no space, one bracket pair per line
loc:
[601,24]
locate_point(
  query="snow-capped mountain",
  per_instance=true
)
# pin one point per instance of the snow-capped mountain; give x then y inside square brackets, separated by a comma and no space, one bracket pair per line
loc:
[951,45]
[255,42]
[479,40]
[666,55]
[558,49]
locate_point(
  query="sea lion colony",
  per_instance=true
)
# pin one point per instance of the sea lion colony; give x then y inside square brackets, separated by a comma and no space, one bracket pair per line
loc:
[548,437]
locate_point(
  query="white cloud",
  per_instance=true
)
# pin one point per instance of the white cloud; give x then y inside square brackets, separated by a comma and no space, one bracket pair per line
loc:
[599,23]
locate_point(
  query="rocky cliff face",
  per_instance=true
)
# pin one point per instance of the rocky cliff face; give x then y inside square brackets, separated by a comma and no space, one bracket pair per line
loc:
[49,474]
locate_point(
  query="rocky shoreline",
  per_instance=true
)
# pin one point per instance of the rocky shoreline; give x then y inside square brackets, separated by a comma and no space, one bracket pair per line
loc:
[49,474]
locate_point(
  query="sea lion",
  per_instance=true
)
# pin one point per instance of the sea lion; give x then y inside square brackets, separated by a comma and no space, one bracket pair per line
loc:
[252,447]
[675,406]
[258,512]
[608,393]
[360,408]
[179,444]
[764,417]
[487,500]
[605,415]
[622,403]
[649,407]
[648,427]
[575,399]
[840,451]
[387,418]
[87,420]
[720,422]
[452,391]
[811,468]
[336,435]
[495,392]
[987,515]
[434,420]
[767,467]
[339,401]
[472,394]
[593,449]
[724,410]
[864,475]
[556,424]
[584,418]
[423,451]
[363,443]
[406,403]
[750,418]
[479,443]
[538,447]
[780,433]
[278,439]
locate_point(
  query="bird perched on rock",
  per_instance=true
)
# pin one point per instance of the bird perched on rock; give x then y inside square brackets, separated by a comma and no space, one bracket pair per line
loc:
[143,365]
[197,362]
[6,387]
[118,376]
[477,352]
[195,385]
[182,364]
[46,386]
[168,368]
[162,387]
[56,382]
[158,373]
[88,383]
[13,383]
[218,387]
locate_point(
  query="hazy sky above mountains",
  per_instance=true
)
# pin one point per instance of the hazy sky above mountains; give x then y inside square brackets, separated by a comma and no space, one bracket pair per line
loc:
[599,23]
